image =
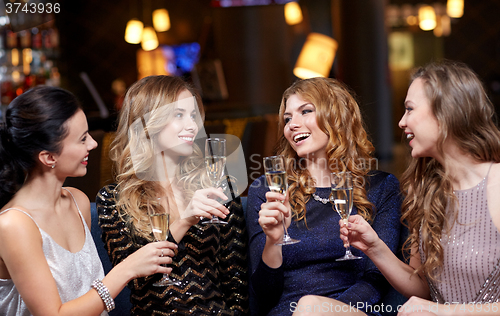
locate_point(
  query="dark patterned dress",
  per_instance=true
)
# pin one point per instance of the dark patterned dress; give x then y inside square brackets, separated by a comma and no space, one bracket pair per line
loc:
[210,263]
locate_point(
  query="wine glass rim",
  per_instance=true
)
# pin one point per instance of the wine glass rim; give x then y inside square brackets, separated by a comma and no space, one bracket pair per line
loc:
[216,139]
[274,157]
[340,172]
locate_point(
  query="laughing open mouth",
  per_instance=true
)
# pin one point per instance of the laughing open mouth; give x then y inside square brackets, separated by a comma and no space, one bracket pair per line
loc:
[410,136]
[300,137]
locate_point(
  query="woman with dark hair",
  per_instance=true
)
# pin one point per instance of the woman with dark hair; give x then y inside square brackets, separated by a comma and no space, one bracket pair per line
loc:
[322,133]
[155,154]
[48,261]
[451,200]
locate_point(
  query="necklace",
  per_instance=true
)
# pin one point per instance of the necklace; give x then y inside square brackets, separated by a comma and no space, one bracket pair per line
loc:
[320,199]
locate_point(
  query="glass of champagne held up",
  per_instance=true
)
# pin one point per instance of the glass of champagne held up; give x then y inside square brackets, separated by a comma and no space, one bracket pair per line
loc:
[159,217]
[342,199]
[274,168]
[215,162]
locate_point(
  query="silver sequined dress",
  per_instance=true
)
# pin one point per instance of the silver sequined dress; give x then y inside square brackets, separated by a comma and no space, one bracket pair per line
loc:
[471,267]
[73,272]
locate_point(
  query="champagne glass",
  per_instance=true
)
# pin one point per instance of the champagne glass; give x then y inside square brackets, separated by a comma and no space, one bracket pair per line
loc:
[159,217]
[342,200]
[274,168]
[215,162]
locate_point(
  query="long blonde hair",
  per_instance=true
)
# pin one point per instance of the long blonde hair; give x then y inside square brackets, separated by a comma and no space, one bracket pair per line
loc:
[348,149]
[153,98]
[465,116]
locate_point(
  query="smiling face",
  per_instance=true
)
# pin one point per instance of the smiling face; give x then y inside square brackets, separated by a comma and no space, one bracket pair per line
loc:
[302,130]
[177,137]
[73,159]
[419,123]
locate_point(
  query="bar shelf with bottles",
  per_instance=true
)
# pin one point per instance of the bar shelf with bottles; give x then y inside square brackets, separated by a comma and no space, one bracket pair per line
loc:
[28,58]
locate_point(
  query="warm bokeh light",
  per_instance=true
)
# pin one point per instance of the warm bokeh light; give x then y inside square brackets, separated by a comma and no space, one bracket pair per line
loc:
[412,20]
[455,8]
[446,25]
[16,77]
[443,27]
[133,31]
[427,18]
[293,13]
[151,63]
[149,39]
[161,20]
[316,57]
[27,59]
[14,57]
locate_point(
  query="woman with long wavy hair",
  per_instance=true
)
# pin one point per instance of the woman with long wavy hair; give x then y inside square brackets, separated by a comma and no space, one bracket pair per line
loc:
[451,202]
[322,133]
[155,153]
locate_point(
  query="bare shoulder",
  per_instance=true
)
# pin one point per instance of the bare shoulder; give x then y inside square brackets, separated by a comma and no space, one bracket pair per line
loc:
[494,175]
[16,223]
[494,194]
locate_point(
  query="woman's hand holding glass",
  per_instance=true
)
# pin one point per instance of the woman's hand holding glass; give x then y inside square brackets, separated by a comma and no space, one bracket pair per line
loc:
[150,259]
[359,234]
[203,204]
[342,200]
[277,181]
[271,216]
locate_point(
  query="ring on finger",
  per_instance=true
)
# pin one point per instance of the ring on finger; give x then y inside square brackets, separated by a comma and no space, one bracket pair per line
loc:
[161,253]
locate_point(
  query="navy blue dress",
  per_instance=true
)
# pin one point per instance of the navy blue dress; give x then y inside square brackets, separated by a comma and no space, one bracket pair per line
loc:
[309,267]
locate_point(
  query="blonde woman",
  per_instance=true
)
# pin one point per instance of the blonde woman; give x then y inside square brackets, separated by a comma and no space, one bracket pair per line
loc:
[322,133]
[452,203]
[155,154]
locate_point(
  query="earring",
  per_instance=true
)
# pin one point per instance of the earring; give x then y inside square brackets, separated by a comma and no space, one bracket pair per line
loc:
[53,166]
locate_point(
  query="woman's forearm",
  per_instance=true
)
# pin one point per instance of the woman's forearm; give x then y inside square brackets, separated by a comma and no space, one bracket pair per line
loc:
[179,228]
[399,274]
[272,255]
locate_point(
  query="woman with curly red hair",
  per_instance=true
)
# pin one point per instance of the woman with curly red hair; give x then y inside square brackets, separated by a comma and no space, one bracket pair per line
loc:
[322,133]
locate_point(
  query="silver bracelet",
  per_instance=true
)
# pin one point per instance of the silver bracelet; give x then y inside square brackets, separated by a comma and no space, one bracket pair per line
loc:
[103,292]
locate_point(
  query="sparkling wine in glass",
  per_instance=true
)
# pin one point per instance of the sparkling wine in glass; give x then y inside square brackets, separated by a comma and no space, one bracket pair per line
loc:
[215,162]
[342,200]
[274,168]
[159,217]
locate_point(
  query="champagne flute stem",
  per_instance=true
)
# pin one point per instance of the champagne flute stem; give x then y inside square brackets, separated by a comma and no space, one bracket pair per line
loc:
[285,230]
[347,244]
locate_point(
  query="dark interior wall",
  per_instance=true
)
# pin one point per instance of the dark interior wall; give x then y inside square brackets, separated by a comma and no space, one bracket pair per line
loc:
[91,41]
[254,46]
[475,40]
[363,66]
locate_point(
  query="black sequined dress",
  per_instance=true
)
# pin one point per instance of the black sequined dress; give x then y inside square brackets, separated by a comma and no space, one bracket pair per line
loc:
[210,263]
